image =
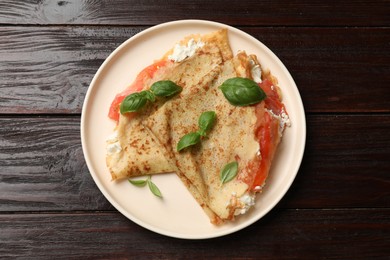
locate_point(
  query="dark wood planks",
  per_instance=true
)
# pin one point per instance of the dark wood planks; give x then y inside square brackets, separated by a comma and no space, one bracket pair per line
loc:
[297,234]
[48,69]
[260,13]
[345,165]
[42,166]
[337,208]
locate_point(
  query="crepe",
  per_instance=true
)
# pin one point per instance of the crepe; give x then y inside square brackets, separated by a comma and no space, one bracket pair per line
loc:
[149,137]
[140,152]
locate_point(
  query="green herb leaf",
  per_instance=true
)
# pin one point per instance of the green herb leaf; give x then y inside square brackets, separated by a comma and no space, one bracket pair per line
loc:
[149,95]
[188,140]
[139,183]
[165,88]
[202,132]
[133,102]
[242,91]
[153,188]
[229,172]
[206,121]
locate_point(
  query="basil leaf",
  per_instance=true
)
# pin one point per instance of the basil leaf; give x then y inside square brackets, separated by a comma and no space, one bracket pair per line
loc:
[165,88]
[206,121]
[149,95]
[202,132]
[188,140]
[133,102]
[229,172]
[139,183]
[242,91]
[153,188]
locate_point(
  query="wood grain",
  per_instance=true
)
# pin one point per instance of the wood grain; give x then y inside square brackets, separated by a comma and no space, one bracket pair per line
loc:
[42,166]
[337,52]
[345,165]
[149,12]
[48,70]
[297,234]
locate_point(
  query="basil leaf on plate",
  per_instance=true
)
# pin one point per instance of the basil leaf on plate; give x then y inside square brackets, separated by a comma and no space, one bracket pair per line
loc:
[242,91]
[165,88]
[139,183]
[153,188]
[228,172]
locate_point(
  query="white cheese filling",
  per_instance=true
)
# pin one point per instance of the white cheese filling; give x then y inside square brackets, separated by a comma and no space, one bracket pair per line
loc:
[283,118]
[255,71]
[246,201]
[181,52]
[113,145]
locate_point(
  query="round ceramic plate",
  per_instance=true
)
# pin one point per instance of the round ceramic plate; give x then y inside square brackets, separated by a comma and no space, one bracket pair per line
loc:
[178,214]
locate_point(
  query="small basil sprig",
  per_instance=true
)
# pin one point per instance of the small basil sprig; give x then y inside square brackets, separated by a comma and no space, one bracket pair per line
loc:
[152,187]
[138,183]
[228,172]
[242,91]
[205,123]
[137,100]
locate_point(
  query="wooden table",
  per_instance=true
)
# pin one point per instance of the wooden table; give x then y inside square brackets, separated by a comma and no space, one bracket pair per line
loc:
[339,204]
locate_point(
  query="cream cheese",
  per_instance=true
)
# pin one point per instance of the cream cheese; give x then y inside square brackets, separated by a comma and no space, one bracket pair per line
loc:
[113,145]
[113,137]
[256,72]
[283,118]
[246,201]
[114,148]
[181,52]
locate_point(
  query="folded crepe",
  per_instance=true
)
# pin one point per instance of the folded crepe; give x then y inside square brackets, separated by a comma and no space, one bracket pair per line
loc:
[133,150]
[146,141]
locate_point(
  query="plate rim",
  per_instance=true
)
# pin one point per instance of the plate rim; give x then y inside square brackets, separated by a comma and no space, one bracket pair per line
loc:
[121,209]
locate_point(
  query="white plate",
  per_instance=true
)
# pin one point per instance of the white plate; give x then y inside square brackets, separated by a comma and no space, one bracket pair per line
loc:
[178,214]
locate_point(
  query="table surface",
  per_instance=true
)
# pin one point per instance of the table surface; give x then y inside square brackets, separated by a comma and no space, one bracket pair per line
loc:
[338,53]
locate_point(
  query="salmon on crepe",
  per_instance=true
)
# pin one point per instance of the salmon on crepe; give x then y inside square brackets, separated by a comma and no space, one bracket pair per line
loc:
[213,118]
